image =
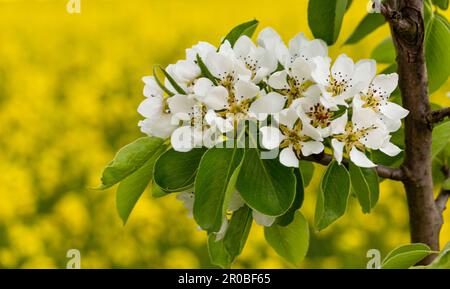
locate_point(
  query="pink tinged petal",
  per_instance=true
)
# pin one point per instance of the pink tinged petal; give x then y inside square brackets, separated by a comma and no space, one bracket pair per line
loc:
[182,139]
[269,103]
[245,89]
[217,98]
[393,110]
[300,70]
[390,149]
[288,157]
[271,137]
[360,159]
[321,69]
[338,149]
[342,68]
[385,84]
[263,220]
[312,147]
[278,80]
[338,124]
[151,107]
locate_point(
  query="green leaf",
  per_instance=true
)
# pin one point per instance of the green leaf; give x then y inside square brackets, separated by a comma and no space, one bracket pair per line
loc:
[223,252]
[132,187]
[441,138]
[349,4]
[368,24]
[214,184]
[266,185]
[405,256]
[442,260]
[217,253]
[333,195]
[437,41]
[364,182]
[325,18]
[288,217]
[172,81]
[247,28]
[204,70]
[129,159]
[157,192]
[160,84]
[384,52]
[443,4]
[175,171]
[237,232]
[307,170]
[290,242]
[446,184]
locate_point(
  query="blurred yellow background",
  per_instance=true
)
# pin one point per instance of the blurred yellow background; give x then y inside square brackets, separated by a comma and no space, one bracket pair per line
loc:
[69,88]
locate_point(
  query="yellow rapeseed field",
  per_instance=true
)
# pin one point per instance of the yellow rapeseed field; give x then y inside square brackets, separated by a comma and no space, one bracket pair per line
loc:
[69,88]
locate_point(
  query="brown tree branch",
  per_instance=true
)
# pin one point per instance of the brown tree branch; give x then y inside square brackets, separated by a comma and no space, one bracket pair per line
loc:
[382,171]
[438,115]
[407,29]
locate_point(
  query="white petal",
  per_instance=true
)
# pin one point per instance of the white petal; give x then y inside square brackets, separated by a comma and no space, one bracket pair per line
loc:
[385,84]
[181,104]
[151,107]
[245,89]
[360,159]
[300,70]
[393,110]
[288,157]
[271,137]
[188,200]
[217,98]
[296,44]
[342,68]
[287,117]
[269,103]
[236,202]
[151,87]
[263,220]
[313,48]
[375,138]
[390,149]
[160,127]
[182,139]
[312,147]
[364,117]
[310,131]
[338,124]
[365,71]
[223,230]
[201,87]
[202,49]
[338,149]
[243,46]
[278,80]
[321,70]
[219,65]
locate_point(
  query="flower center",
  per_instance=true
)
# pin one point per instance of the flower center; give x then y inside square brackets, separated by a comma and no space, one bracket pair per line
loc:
[294,137]
[337,87]
[319,115]
[352,137]
[371,100]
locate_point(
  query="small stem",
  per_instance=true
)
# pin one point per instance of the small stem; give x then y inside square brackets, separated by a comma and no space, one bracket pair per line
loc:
[382,171]
[438,115]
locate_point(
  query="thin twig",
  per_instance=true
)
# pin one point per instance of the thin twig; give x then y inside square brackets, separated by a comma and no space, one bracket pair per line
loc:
[382,171]
[438,115]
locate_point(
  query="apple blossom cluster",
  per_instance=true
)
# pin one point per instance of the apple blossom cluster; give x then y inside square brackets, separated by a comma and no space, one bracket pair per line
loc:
[304,101]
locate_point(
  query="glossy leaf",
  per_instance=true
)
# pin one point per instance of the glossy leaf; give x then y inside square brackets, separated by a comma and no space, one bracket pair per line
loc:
[307,170]
[132,187]
[384,52]
[265,184]
[365,185]
[214,184]
[442,260]
[217,253]
[290,242]
[443,4]
[129,159]
[325,18]
[368,24]
[238,230]
[441,138]
[288,217]
[405,256]
[175,171]
[333,195]
[247,28]
[437,41]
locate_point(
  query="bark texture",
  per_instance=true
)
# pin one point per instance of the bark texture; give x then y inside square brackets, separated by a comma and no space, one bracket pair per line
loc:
[407,29]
